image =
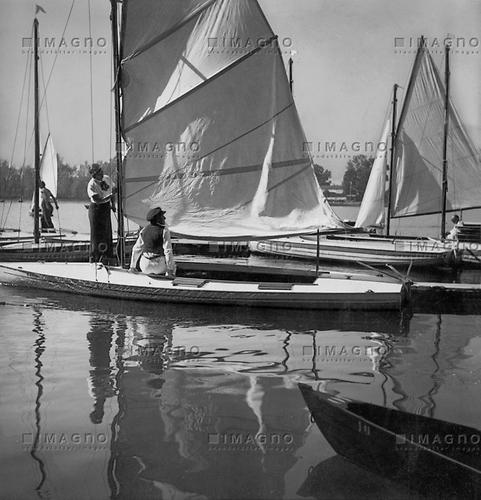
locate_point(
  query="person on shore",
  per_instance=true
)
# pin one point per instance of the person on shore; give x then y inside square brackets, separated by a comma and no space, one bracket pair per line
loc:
[152,253]
[100,190]
[46,208]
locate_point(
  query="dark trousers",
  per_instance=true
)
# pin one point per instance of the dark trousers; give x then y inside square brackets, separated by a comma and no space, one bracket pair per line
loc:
[46,218]
[101,246]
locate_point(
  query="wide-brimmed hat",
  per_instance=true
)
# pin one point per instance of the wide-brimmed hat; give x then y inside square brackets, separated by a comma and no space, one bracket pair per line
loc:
[95,169]
[153,213]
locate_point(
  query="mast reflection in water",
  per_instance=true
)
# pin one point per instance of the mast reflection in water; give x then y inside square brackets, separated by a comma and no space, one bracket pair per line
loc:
[189,402]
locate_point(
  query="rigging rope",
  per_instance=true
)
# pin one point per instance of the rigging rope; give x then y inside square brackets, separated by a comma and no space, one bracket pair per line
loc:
[57,52]
[53,65]
[27,66]
[91,84]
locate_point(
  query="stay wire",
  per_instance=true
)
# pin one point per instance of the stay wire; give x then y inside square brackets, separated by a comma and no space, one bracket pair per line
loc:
[91,85]
[53,64]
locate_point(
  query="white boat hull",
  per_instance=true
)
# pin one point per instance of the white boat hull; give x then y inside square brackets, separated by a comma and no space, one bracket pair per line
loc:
[96,280]
[354,249]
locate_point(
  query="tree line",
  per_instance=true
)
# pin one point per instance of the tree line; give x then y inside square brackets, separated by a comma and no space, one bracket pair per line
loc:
[355,177]
[18,183]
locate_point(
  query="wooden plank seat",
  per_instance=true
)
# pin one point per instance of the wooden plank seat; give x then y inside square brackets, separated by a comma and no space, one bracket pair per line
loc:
[194,282]
[275,286]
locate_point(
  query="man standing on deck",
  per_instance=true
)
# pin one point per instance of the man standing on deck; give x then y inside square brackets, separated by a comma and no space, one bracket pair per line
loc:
[46,207]
[100,190]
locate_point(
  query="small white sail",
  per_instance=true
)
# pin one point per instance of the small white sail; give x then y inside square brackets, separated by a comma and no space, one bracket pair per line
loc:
[372,211]
[417,186]
[48,168]
[214,135]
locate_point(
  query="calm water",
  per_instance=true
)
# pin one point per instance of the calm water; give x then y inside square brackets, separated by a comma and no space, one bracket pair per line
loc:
[107,399]
[110,399]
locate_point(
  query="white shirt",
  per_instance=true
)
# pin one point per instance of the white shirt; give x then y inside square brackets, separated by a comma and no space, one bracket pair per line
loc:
[138,251]
[454,233]
[94,188]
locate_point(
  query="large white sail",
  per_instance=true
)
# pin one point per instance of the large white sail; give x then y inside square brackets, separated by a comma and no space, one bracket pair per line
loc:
[372,211]
[417,186]
[214,135]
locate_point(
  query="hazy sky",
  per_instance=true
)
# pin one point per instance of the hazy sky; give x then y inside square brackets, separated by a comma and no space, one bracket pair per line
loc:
[348,54]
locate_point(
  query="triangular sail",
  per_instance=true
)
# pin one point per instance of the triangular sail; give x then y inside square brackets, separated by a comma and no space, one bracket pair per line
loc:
[213,134]
[49,167]
[417,186]
[372,211]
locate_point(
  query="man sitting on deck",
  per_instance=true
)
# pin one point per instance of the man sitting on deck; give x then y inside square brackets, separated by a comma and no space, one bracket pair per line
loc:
[454,233]
[152,252]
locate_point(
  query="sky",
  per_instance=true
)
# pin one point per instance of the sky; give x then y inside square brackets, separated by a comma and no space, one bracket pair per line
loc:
[347,56]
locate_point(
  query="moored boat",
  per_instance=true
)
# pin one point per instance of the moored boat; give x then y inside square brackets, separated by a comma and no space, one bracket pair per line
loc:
[340,292]
[435,169]
[420,451]
[358,248]
[245,174]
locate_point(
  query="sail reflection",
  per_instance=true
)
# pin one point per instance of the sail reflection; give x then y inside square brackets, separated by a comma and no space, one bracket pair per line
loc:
[208,405]
[203,403]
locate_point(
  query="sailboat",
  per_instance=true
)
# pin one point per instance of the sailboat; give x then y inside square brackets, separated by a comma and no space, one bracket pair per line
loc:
[436,166]
[48,245]
[361,246]
[428,137]
[249,177]
[49,174]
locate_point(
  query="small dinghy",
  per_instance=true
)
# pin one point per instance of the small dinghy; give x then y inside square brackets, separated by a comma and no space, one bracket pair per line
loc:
[422,452]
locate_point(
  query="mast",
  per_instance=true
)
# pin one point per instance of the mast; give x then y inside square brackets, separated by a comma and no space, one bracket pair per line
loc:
[445,145]
[291,80]
[118,136]
[36,186]
[391,167]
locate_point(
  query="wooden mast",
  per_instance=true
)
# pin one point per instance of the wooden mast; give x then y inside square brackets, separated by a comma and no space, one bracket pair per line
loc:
[36,186]
[445,146]
[118,135]
[391,165]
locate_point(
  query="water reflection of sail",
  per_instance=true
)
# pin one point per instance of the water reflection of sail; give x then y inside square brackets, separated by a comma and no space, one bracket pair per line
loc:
[205,434]
[209,404]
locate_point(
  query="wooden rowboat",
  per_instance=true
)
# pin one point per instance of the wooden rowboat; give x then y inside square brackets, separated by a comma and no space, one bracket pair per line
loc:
[422,452]
[340,292]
